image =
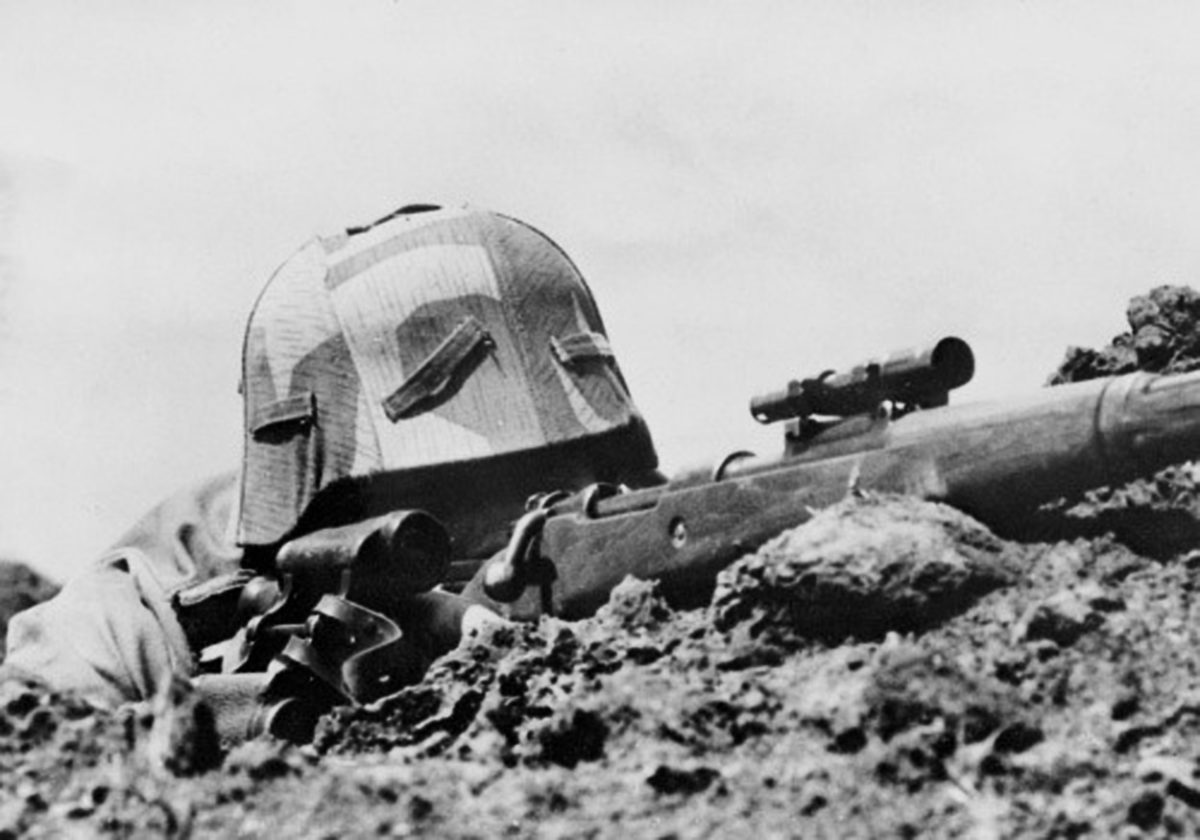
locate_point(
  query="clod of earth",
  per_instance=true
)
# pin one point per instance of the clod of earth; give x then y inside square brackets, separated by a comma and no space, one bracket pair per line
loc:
[20,588]
[862,568]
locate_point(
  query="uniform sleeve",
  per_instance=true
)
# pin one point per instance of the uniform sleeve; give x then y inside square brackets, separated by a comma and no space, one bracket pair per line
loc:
[110,635]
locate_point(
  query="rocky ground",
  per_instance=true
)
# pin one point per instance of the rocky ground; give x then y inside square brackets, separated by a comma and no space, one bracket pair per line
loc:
[20,588]
[891,668]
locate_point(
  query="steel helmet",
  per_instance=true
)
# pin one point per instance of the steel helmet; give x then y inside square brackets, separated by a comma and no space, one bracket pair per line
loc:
[414,353]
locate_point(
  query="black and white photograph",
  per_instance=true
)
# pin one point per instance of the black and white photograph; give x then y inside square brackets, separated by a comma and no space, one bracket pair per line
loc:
[578,419]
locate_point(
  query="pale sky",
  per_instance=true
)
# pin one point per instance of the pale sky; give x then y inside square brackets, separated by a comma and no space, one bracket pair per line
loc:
[755,191]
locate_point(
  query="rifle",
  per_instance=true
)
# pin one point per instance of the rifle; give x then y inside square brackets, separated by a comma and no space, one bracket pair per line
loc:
[884,425]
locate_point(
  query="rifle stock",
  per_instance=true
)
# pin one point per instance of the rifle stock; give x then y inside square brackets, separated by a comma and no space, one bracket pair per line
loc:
[992,460]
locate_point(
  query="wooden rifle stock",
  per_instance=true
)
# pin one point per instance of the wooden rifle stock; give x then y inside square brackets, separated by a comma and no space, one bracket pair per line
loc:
[996,461]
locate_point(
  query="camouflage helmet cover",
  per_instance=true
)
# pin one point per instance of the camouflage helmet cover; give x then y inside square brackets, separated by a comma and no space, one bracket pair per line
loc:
[432,336]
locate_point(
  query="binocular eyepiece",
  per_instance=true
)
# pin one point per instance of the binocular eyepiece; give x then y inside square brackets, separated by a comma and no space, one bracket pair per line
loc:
[920,377]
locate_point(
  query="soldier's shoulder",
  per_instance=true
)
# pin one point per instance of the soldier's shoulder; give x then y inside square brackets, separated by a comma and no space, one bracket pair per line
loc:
[191,530]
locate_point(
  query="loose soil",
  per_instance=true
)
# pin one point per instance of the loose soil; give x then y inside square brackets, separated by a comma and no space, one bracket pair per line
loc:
[891,668]
[20,588]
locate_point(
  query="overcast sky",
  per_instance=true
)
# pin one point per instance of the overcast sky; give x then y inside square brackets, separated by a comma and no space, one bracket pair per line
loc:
[755,191]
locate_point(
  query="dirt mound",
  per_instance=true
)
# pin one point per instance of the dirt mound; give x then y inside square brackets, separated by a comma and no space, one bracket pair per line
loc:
[1065,703]
[20,588]
[1163,337]
[862,568]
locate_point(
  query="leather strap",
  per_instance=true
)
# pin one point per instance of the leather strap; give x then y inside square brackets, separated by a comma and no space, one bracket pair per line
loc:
[580,347]
[299,411]
[436,379]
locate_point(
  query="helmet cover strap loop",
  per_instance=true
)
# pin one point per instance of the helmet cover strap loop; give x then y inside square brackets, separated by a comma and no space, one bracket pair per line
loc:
[438,377]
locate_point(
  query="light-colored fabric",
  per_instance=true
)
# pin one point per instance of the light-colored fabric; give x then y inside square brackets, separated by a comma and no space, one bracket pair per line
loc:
[111,633]
[189,537]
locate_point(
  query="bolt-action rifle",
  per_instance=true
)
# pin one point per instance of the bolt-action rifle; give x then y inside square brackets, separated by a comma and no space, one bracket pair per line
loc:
[883,426]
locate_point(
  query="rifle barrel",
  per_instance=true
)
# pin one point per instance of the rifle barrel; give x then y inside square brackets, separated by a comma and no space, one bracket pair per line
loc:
[994,460]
